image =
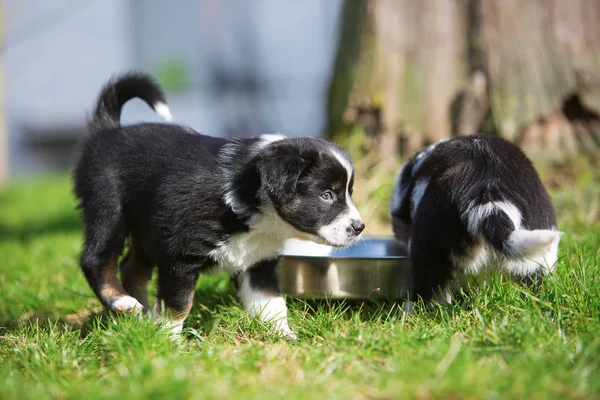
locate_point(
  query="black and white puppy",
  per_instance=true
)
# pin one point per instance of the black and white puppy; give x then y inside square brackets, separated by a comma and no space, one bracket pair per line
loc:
[472,202]
[189,203]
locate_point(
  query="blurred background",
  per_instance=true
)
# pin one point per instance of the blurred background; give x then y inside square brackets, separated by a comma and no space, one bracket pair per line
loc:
[230,68]
[382,77]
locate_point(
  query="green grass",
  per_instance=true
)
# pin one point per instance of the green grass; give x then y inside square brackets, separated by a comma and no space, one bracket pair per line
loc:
[499,341]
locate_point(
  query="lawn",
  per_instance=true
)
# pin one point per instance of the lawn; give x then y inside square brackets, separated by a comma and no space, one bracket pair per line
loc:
[498,341]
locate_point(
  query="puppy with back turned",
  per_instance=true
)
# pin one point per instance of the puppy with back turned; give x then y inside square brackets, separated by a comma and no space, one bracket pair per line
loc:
[188,203]
[468,203]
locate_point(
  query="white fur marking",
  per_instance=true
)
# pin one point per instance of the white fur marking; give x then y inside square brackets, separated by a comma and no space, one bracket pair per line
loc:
[401,187]
[529,243]
[346,164]
[126,304]
[268,308]
[543,262]
[475,215]
[539,259]
[476,259]
[300,247]
[531,251]
[417,194]
[269,138]
[265,239]
[336,233]
[163,110]
[173,327]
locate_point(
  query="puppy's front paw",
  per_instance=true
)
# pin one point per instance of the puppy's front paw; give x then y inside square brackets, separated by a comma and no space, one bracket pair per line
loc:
[127,305]
[290,335]
[284,330]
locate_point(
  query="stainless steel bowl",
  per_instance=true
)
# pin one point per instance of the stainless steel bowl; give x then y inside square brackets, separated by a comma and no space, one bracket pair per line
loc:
[370,268]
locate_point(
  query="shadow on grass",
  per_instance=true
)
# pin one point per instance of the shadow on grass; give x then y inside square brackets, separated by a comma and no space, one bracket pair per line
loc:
[214,296]
[366,309]
[66,223]
[84,320]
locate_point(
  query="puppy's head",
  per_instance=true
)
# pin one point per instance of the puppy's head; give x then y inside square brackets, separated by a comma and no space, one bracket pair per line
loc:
[309,181]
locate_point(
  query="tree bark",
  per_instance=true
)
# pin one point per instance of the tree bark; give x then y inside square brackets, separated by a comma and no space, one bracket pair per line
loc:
[412,72]
[540,54]
[400,64]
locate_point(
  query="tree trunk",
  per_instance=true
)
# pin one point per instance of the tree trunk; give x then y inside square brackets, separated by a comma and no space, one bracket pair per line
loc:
[542,55]
[412,72]
[401,64]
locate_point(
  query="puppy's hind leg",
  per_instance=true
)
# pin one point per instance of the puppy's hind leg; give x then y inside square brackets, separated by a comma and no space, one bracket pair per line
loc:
[136,271]
[105,232]
[260,292]
[99,264]
[431,272]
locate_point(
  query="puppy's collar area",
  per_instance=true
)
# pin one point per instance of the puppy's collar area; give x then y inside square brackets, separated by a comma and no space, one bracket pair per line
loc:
[264,240]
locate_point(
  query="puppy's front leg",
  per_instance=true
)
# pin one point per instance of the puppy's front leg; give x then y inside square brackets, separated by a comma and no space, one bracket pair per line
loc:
[260,293]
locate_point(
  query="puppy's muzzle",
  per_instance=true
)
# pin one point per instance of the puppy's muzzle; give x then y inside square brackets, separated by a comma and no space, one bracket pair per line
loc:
[356,227]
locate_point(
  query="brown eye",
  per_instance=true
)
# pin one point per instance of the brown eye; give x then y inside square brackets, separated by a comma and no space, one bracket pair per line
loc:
[327,196]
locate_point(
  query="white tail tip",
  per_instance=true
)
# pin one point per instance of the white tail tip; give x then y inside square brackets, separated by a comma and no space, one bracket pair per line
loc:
[163,110]
[529,243]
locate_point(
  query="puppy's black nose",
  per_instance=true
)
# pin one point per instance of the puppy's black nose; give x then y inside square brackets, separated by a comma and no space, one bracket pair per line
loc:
[357,226]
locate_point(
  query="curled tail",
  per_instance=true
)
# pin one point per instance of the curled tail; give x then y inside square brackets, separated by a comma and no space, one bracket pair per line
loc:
[499,223]
[118,91]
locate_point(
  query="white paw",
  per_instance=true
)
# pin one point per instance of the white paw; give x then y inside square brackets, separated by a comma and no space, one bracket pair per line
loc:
[126,304]
[284,330]
[290,335]
[172,328]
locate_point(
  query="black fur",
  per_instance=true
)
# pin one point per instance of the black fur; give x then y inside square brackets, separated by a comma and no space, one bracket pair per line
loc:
[265,276]
[456,177]
[119,91]
[180,197]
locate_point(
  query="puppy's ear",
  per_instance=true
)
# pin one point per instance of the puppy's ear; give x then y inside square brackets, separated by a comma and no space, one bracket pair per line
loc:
[279,175]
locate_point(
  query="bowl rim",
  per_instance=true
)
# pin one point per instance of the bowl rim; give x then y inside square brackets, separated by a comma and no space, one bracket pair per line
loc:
[295,256]
[338,257]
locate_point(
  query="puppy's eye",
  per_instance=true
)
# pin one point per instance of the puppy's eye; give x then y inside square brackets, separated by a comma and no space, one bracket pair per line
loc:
[327,196]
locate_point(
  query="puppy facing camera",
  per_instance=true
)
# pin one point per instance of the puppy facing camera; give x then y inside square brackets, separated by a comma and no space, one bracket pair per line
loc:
[469,203]
[187,203]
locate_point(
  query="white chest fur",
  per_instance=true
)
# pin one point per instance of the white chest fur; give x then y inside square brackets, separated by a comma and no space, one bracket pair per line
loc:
[265,240]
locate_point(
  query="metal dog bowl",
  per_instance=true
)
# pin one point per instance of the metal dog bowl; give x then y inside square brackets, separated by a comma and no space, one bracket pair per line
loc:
[370,268]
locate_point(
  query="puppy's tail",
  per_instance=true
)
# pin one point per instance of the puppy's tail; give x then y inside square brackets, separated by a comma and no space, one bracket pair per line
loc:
[500,225]
[118,91]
